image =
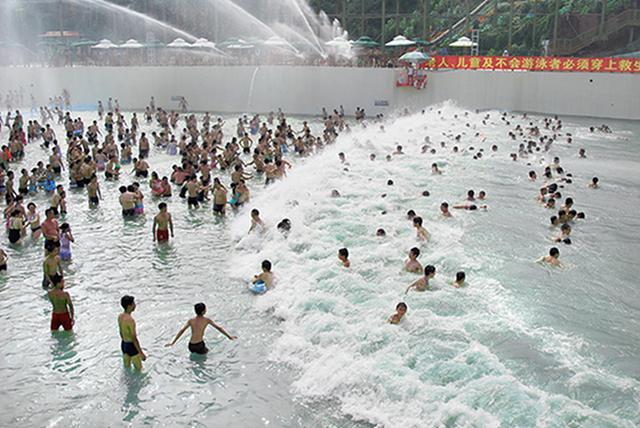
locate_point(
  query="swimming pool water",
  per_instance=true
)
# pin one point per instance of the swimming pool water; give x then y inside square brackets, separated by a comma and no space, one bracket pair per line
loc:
[521,345]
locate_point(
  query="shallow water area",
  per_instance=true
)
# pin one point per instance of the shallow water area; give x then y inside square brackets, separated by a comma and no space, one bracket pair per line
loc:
[521,345]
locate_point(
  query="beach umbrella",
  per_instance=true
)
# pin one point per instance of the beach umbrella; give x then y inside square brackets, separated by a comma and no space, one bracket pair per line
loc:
[203,44]
[132,44]
[365,42]
[400,41]
[415,56]
[463,42]
[104,44]
[179,43]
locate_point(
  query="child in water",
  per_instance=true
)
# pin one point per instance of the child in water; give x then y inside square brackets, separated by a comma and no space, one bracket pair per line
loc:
[66,238]
[460,278]
[256,221]
[343,256]
[412,264]
[401,310]
[265,278]
[423,283]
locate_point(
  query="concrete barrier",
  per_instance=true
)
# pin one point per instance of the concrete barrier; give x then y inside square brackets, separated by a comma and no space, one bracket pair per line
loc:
[305,90]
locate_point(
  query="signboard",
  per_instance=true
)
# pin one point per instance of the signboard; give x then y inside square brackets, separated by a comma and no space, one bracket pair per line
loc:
[535,63]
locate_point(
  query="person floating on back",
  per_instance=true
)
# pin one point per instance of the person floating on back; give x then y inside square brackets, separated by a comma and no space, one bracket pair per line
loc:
[198,324]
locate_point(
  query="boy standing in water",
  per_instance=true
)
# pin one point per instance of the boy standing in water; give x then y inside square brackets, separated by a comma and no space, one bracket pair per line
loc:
[198,325]
[62,314]
[130,346]
[162,223]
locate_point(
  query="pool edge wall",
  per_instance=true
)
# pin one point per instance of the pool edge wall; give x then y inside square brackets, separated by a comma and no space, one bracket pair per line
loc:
[305,90]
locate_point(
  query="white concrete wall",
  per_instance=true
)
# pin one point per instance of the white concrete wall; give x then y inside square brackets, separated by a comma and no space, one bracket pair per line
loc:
[305,90]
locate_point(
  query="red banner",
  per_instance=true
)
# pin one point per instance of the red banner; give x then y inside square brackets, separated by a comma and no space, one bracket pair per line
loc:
[535,63]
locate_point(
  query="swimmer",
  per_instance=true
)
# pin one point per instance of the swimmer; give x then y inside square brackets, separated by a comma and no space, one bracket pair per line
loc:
[381,232]
[256,221]
[434,169]
[471,195]
[421,233]
[594,183]
[401,310]
[198,325]
[532,176]
[129,345]
[266,276]
[469,207]
[162,224]
[284,226]
[335,193]
[551,203]
[460,278]
[398,150]
[553,258]
[343,256]
[482,195]
[444,210]
[582,154]
[565,231]
[410,215]
[62,313]
[423,283]
[412,264]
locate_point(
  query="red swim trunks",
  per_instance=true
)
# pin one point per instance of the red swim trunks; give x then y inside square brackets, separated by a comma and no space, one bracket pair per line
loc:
[63,320]
[162,235]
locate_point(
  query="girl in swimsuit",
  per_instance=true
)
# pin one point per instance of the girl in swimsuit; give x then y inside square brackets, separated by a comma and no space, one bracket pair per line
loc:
[66,238]
[33,218]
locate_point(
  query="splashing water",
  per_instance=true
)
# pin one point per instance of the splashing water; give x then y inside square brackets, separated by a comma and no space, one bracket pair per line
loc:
[132,13]
[521,345]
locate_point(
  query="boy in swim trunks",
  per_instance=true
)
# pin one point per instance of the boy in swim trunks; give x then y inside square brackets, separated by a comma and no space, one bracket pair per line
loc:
[93,190]
[162,223]
[198,325]
[130,346]
[62,314]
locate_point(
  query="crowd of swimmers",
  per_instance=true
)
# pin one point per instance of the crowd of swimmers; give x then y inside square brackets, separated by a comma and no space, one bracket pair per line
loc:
[258,149]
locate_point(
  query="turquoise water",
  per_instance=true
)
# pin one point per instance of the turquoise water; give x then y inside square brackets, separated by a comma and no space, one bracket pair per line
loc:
[521,345]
